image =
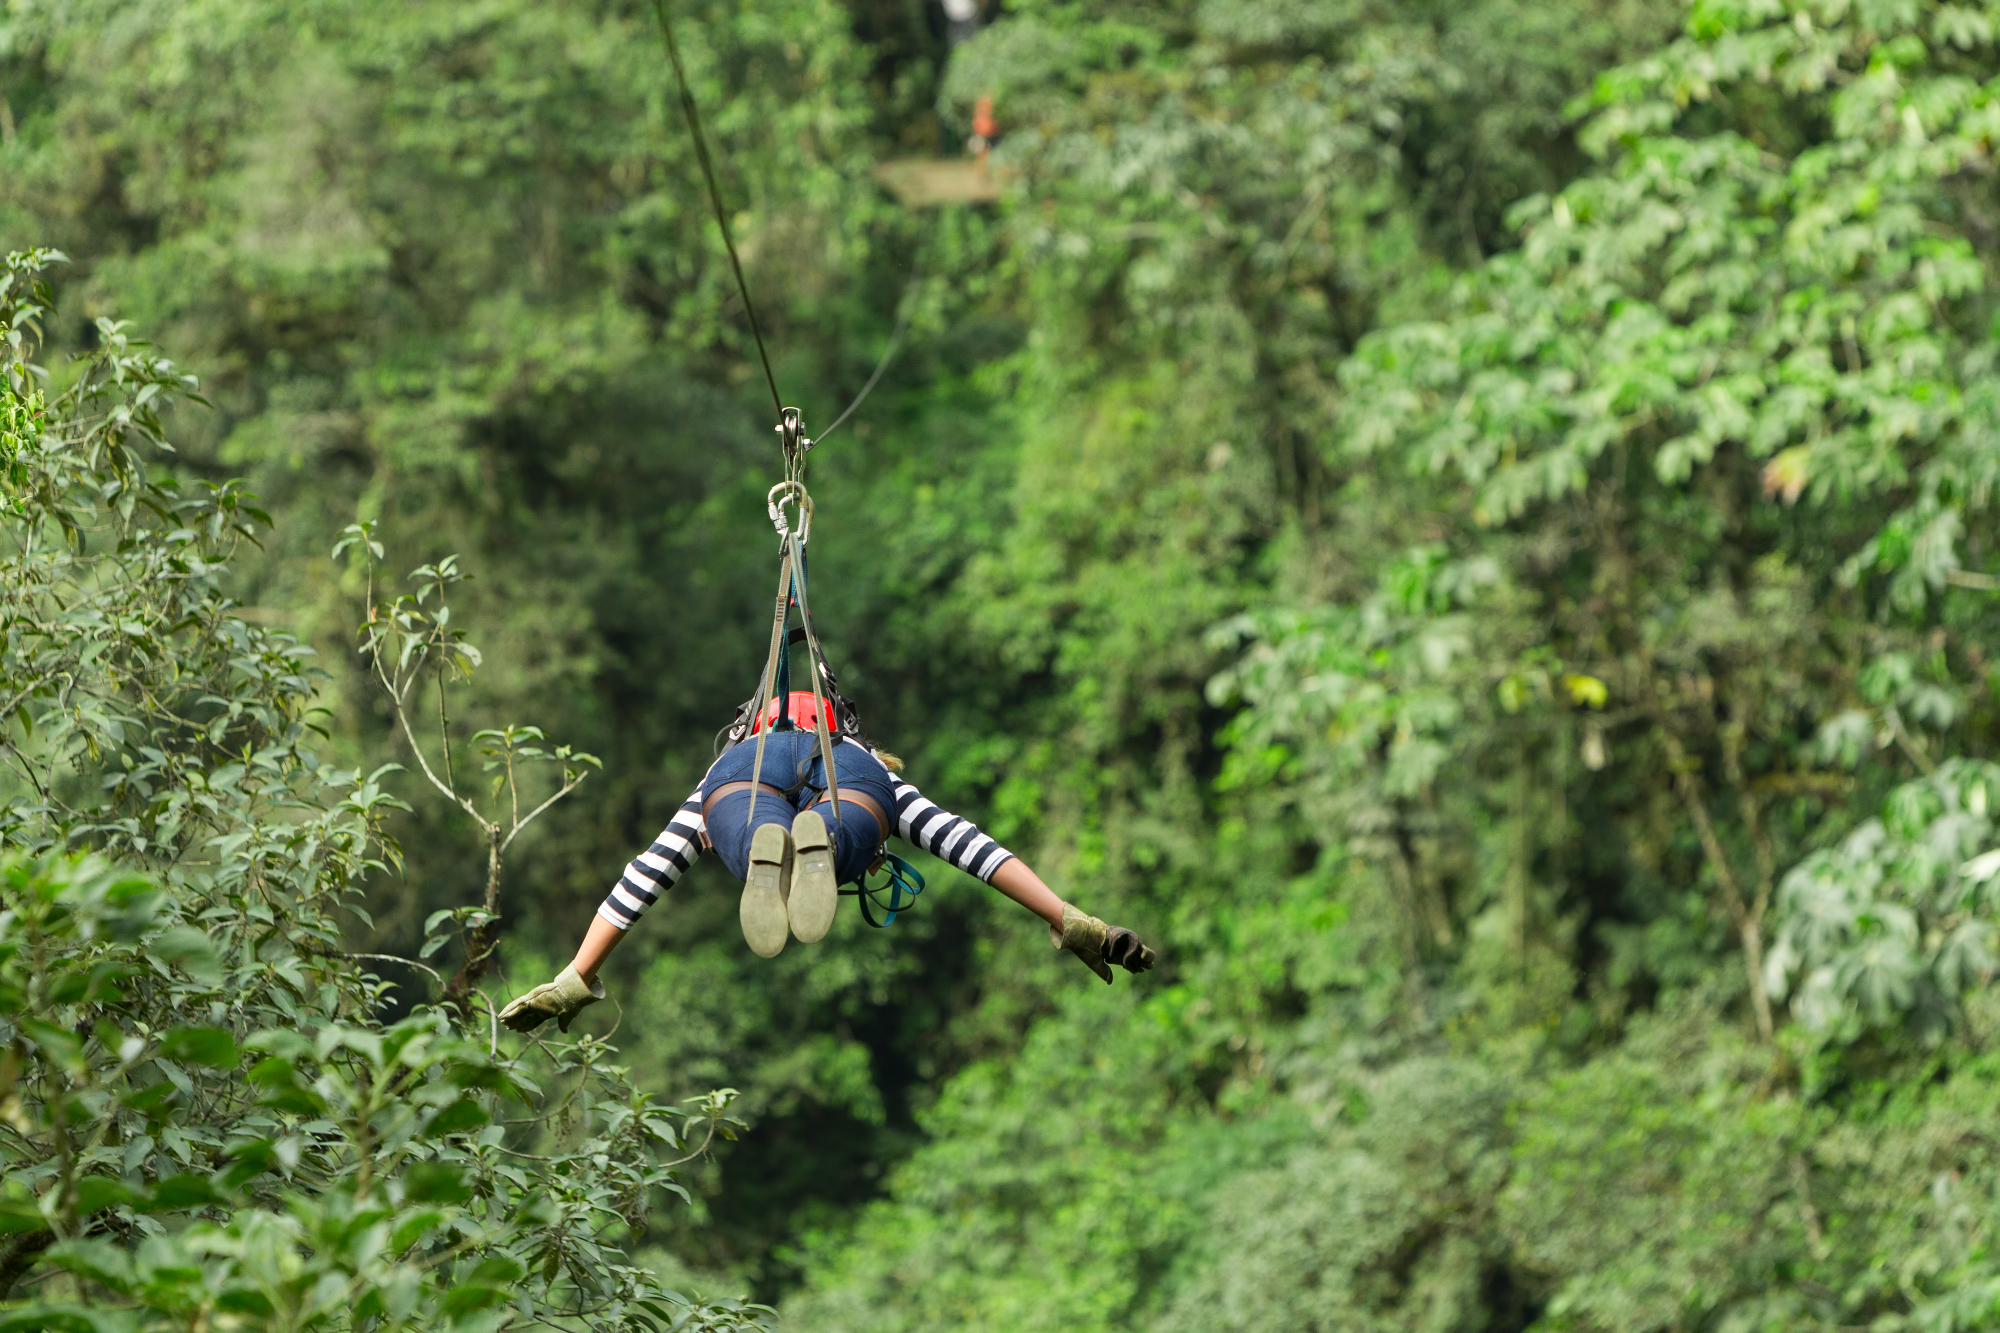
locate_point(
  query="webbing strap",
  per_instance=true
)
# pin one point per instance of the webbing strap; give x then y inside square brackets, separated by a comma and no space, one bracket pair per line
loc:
[797,553]
[904,886]
[826,686]
[781,693]
[777,666]
[765,682]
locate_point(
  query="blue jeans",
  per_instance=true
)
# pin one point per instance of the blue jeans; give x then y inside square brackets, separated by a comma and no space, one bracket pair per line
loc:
[792,764]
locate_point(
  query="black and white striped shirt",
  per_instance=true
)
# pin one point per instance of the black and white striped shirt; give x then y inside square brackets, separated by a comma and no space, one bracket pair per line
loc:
[918,820]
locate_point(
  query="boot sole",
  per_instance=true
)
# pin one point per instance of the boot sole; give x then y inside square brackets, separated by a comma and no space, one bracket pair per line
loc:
[762,911]
[815,891]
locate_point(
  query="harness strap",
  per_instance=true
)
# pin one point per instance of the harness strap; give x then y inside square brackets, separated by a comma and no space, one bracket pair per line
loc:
[796,550]
[846,717]
[777,663]
[765,681]
[781,693]
[731,788]
[868,806]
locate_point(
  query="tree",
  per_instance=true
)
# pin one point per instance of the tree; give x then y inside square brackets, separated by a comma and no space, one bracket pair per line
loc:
[206,1111]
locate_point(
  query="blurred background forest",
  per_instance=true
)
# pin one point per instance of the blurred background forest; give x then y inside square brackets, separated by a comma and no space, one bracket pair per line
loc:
[1468,525]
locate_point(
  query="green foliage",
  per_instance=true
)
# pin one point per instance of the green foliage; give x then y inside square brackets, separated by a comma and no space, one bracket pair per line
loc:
[1468,525]
[1897,920]
[356,1173]
[1653,568]
[1343,1232]
[203,1110]
[1701,305]
[442,271]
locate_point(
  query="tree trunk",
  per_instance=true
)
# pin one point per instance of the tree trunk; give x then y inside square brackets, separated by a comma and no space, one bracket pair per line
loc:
[482,939]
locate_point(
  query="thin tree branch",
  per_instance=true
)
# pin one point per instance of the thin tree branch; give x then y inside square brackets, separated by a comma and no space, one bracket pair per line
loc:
[1908,743]
[702,1151]
[1747,927]
[1752,807]
[567,788]
[493,1016]
[444,729]
[1802,1182]
[406,962]
[21,695]
[403,719]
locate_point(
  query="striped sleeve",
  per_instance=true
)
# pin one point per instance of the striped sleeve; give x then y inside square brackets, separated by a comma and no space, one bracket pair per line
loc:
[655,870]
[921,822]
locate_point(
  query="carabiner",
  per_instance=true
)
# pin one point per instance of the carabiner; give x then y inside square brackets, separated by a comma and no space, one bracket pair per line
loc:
[790,493]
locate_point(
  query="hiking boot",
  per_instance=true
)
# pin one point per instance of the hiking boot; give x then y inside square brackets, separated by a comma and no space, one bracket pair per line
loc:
[815,892]
[763,908]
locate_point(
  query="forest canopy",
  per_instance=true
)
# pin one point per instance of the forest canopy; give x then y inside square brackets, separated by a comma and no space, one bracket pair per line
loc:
[1467,525]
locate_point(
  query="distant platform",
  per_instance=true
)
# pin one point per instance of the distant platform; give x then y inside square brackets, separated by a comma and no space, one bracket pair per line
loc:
[930,182]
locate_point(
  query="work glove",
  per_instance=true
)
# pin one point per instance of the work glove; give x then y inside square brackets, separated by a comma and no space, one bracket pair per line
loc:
[1098,945]
[562,999]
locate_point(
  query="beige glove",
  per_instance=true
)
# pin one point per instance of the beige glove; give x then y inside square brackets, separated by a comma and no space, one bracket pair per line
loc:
[562,999]
[1099,945]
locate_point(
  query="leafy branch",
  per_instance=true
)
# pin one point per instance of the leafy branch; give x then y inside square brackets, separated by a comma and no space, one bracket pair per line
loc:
[411,641]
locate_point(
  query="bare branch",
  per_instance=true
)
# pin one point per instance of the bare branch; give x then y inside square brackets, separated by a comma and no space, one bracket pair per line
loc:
[1748,928]
[444,729]
[406,962]
[461,802]
[1908,743]
[493,1015]
[702,1151]
[535,813]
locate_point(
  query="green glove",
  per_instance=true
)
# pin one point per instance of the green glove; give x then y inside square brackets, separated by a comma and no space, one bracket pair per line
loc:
[1099,945]
[562,999]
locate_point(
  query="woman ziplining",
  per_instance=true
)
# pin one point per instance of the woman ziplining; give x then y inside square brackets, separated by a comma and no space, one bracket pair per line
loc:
[798,805]
[793,858]
[796,813]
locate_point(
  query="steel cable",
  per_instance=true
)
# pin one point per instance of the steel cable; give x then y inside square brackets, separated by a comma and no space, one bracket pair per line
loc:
[715,195]
[903,318]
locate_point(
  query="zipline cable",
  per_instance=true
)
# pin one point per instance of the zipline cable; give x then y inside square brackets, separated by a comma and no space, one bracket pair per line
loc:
[715,195]
[792,574]
[693,116]
[909,308]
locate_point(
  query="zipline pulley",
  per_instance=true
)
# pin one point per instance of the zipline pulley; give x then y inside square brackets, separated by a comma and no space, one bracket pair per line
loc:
[791,430]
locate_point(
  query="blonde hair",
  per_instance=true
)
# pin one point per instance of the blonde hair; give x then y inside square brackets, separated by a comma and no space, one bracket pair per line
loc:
[887,760]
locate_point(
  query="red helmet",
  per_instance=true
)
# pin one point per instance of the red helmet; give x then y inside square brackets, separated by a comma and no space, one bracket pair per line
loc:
[801,713]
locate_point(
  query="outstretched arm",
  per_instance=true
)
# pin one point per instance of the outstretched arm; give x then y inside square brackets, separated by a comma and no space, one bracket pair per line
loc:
[938,831]
[650,874]
[1018,881]
[598,942]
